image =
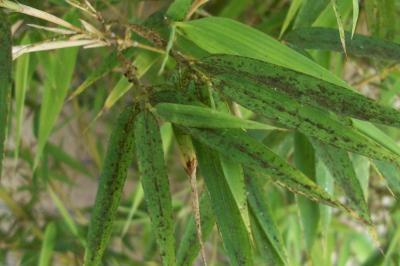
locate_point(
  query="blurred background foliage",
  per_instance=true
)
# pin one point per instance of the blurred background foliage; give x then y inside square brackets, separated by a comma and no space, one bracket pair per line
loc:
[57,141]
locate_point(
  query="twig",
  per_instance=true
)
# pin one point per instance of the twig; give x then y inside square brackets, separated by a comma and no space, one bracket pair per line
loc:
[196,5]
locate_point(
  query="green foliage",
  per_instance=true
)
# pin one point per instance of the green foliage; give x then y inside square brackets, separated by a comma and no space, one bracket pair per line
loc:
[251,132]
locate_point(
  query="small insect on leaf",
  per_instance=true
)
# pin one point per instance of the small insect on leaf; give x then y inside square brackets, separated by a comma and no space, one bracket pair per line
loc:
[154,178]
[112,178]
[5,81]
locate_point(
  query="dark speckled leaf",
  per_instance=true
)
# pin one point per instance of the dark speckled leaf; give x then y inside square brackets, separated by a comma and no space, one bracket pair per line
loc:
[189,246]
[304,88]
[5,80]
[230,223]
[342,170]
[256,156]
[309,120]
[112,178]
[154,178]
[360,45]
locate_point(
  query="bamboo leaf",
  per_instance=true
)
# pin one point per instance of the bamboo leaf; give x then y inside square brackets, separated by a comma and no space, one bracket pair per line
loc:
[391,173]
[47,245]
[105,66]
[310,121]
[5,81]
[294,7]
[230,224]
[304,160]
[69,221]
[196,116]
[356,12]
[222,35]
[59,67]
[189,246]
[234,176]
[263,218]
[218,35]
[23,75]
[118,158]
[340,24]
[309,12]
[155,183]
[341,168]
[303,88]
[256,156]
[359,46]
[178,9]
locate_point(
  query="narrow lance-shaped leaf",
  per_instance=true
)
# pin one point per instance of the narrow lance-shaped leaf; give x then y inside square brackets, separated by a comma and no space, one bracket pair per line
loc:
[391,173]
[359,46]
[304,160]
[302,87]
[59,67]
[178,9]
[356,11]
[189,246]
[230,224]
[154,178]
[260,210]
[5,81]
[68,220]
[23,74]
[310,121]
[47,245]
[309,12]
[339,24]
[255,155]
[294,7]
[112,178]
[203,117]
[341,168]
[221,35]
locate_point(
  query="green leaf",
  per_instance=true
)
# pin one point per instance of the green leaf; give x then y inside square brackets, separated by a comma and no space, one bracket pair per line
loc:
[356,12]
[58,66]
[68,220]
[105,67]
[48,245]
[196,116]
[341,168]
[112,178]
[309,12]
[340,24]
[189,246]
[294,7]
[234,176]
[23,75]
[255,155]
[5,81]
[155,183]
[178,9]
[391,173]
[262,214]
[60,155]
[137,198]
[303,88]
[230,224]
[360,45]
[310,121]
[226,36]
[219,35]
[304,160]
